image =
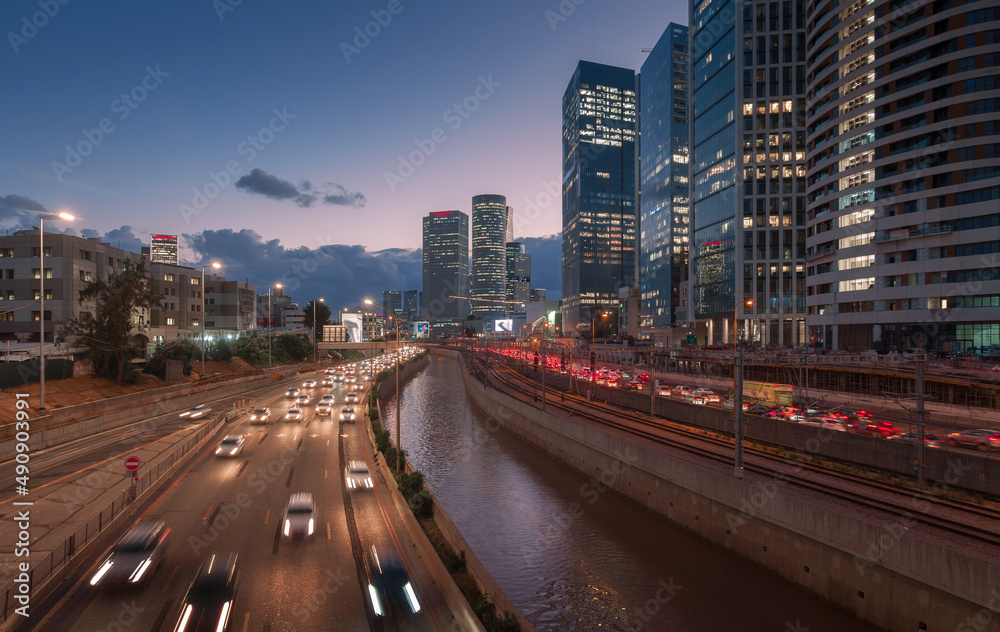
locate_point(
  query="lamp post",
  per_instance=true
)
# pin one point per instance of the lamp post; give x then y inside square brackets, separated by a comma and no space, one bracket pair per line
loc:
[315,337]
[738,391]
[41,298]
[593,332]
[215,265]
[270,360]
[399,396]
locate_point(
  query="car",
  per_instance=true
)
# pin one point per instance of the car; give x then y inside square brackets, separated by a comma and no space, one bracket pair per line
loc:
[983,439]
[757,409]
[231,445]
[294,414]
[302,399]
[389,585]
[347,413]
[351,398]
[260,415]
[208,603]
[327,398]
[679,390]
[874,428]
[136,556]
[823,422]
[351,379]
[196,412]
[309,384]
[300,517]
[323,409]
[338,377]
[663,390]
[931,440]
[357,475]
[708,395]
[292,393]
[327,381]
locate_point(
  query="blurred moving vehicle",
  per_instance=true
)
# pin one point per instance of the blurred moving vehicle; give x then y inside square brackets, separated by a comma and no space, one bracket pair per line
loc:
[260,415]
[931,440]
[209,600]
[196,412]
[823,422]
[292,392]
[294,414]
[231,445]
[351,398]
[347,413]
[136,556]
[300,516]
[389,587]
[708,395]
[983,439]
[309,384]
[881,429]
[324,409]
[302,399]
[357,475]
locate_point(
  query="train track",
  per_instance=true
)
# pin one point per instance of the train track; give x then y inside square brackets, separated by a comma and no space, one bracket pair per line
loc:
[908,507]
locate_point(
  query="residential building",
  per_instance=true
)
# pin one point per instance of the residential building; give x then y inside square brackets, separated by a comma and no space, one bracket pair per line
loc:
[663,169]
[904,176]
[599,191]
[445,271]
[488,279]
[747,174]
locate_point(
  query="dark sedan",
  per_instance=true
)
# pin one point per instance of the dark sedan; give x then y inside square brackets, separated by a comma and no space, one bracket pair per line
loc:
[209,601]
[389,587]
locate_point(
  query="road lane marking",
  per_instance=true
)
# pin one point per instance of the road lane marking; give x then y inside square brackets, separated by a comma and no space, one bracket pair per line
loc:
[246,622]
[327,442]
[207,511]
[171,578]
[326,473]
[328,537]
[267,516]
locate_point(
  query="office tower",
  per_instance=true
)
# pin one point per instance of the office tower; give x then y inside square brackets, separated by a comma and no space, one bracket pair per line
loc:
[538,295]
[904,176]
[411,304]
[163,249]
[663,168]
[748,170]
[518,277]
[510,223]
[489,255]
[599,214]
[393,299]
[446,271]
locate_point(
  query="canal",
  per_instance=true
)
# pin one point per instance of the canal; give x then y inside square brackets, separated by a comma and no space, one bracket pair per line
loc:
[573,556]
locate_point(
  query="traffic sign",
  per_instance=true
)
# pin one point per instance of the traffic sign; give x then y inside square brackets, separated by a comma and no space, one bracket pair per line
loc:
[132,463]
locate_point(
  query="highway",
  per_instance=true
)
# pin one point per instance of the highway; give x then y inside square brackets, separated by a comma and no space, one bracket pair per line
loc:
[236,505]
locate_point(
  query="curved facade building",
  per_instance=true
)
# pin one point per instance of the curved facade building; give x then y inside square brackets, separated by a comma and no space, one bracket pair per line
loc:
[903,168]
[489,255]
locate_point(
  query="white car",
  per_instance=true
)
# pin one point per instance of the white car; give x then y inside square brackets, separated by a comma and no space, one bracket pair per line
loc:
[260,415]
[292,392]
[197,412]
[327,398]
[820,422]
[231,445]
[309,384]
[338,377]
[351,398]
[347,413]
[324,409]
[300,516]
[357,475]
[708,395]
[294,414]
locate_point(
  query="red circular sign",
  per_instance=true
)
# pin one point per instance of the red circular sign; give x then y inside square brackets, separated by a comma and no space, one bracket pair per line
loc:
[132,463]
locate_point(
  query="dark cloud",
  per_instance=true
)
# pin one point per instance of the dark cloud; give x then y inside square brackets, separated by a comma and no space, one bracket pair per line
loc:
[546,263]
[14,203]
[343,275]
[260,182]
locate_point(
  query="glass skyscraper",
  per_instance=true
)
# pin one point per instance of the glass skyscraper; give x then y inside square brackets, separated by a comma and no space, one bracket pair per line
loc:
[489,255]
[748,169]
[446,270]
[599,214]
[663,168]
[518,277]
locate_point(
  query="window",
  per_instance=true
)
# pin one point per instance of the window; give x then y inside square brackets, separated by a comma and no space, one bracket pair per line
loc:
[855,217]
[35,315]
[37,295]
[854,285]
[6,252]
[85,275]
[852,263]
[170,321]
[168,277]
[10,273]
[195,281]
[10,295]
[6,316]
[48,251]
[85,255]
[856,240]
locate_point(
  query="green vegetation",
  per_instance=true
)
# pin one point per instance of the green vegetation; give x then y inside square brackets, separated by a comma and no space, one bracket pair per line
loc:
[181,349]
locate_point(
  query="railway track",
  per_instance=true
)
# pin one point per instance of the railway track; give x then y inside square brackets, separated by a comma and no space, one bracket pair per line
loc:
[908,507]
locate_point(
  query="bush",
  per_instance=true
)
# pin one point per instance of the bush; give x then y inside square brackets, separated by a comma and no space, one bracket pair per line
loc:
[181,349]
[454,563]
[382,443]
[373,414]
[422,505]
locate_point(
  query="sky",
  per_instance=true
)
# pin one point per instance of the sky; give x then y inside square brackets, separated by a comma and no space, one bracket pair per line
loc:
[304,140]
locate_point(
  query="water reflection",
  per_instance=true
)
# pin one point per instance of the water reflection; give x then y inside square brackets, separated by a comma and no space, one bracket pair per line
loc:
[572,556]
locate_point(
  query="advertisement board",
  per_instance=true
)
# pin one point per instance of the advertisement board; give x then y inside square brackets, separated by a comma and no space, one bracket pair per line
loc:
[503,325]
[353,322]
[420,329]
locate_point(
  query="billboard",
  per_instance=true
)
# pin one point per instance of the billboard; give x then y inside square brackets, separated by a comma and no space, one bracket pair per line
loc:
[504,325]
[353,322]
[420,329]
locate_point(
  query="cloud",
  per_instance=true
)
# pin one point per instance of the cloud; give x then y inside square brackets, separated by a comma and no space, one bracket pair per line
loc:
[546,263]
[344,275]
[16,204]
[259,182]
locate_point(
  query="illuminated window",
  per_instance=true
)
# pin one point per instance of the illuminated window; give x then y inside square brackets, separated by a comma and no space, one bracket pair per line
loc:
[854,285]
[855,217]
[852,263]
[856,240]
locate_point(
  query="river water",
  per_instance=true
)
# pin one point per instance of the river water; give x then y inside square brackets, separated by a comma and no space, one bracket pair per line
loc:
[572,556]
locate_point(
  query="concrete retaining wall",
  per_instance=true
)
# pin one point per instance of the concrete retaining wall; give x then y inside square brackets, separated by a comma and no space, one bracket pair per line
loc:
[883,574]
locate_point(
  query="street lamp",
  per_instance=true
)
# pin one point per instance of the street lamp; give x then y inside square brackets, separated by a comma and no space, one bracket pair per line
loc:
[399,396]
[41,298]
[270,360]
[215,265]
[593,332]
[738,390]
[315,328]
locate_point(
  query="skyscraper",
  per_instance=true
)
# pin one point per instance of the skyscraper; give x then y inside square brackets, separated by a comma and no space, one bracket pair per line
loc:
[489,255]
[411,304]
[393,299]
[748,169]
[446,270]
[663,168]
[518,277]
[163,249]
[904,175]
[599,214]
[510,223]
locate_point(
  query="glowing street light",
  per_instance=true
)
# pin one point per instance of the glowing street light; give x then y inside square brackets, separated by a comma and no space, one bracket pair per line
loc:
[41,298]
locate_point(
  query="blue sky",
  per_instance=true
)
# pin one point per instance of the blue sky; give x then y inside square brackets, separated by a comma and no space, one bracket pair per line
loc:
[266,132]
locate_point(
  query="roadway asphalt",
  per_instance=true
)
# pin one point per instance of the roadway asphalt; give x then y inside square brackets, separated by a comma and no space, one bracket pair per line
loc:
[236,505]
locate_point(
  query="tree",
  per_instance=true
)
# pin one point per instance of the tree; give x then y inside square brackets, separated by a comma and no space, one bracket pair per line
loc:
[291,348]
[107,334]
[323,314]
[183,349]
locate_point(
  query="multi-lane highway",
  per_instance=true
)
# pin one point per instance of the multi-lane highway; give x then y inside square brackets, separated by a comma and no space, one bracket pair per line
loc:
[236,504]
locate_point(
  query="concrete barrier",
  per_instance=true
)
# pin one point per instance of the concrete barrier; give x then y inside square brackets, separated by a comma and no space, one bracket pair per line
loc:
[882,573]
